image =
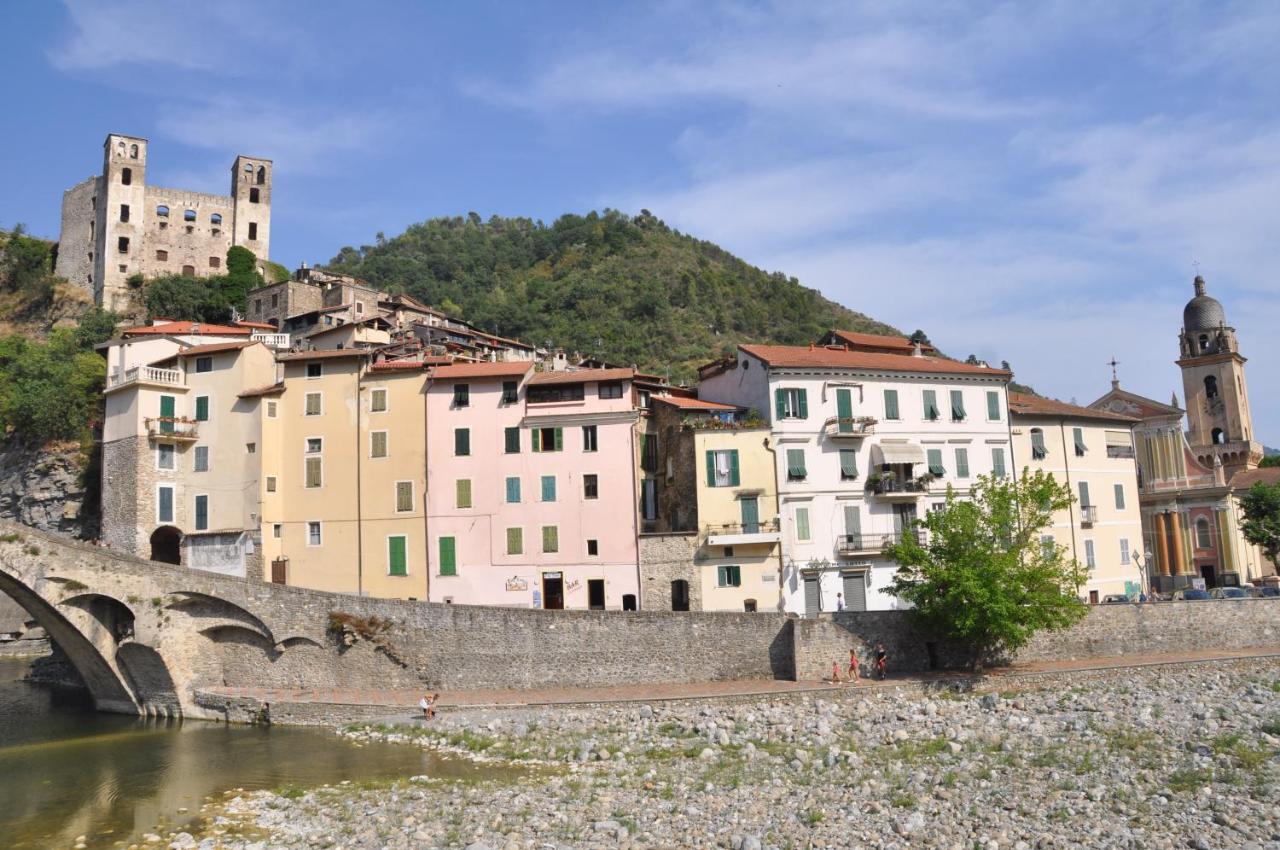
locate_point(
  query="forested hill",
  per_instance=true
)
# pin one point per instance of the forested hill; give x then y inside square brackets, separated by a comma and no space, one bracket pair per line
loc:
[631,290]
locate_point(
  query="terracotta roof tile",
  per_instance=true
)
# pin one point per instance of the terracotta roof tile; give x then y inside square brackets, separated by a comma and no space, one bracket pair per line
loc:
[1248,477]
[800,357]
[186,329]
[215,347]
[855,338]
[270,389]
[583,376]
[693,403]
[1022,404]
[324,354]
[457,371]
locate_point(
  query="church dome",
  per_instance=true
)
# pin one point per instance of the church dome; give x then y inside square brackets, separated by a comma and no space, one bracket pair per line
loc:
[1203,312]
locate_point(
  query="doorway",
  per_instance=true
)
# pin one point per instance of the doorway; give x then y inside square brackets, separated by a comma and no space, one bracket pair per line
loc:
[166,545]
[279,570]
[904,520]
[552,591]
[679,595]
[855,591]
[812,596]
[595,594]
[1208,573]
[1093,597]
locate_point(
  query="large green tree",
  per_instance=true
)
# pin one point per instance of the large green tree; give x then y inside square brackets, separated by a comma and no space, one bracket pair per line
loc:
[49,390]
[1261,523]
[977,572]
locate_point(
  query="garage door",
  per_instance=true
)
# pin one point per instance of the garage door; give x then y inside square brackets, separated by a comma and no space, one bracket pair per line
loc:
[812,597]
[855,591]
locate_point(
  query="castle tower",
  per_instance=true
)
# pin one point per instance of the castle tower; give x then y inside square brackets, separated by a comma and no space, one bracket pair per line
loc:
[251,194]
[1213,382]
[119,219]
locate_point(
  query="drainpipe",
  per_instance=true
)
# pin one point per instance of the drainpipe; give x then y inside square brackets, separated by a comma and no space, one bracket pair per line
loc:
[426,479]
[359,503]
[637,499]
[777,498]
[1071,511]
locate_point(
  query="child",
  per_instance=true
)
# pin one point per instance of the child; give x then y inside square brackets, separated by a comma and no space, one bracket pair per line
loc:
[428,705]
[853,666]
[835,672]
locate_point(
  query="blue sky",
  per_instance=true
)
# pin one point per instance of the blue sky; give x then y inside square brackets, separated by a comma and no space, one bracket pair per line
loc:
[1031,182]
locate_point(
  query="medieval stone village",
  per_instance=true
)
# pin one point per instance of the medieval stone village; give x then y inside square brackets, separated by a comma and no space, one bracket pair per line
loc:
[318,559]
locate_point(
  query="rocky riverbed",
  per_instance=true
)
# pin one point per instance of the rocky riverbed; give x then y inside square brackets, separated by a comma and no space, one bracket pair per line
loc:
[1159,757]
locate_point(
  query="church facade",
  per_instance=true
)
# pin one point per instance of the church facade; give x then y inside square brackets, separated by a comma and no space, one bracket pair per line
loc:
[1191,481]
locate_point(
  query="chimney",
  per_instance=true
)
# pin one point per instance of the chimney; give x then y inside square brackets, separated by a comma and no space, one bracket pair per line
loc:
[916,350]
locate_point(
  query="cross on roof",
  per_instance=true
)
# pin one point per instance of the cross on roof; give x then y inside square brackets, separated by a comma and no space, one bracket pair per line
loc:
[1113,363]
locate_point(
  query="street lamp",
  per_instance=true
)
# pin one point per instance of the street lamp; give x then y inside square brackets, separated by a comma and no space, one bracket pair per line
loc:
[1144,561]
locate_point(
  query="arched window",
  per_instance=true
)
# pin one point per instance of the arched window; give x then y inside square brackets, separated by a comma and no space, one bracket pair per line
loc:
[262,175]
[1204,540]
[248,167]
[133,151]
[216,218]
[1219,437]
[188,215]
[1204,342]
[1211,387]
[162,211]
[189,271]
[1039,450]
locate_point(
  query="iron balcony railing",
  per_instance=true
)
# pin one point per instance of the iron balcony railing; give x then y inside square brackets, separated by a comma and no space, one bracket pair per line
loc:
[848,543]
[890,486]
[852,427]
[171,427]
[767,526]
[1088,515]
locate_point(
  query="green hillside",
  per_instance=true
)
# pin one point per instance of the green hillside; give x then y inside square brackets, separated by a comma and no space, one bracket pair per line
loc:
[631,290]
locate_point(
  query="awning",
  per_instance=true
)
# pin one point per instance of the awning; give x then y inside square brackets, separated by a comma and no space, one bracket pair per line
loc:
[882,453]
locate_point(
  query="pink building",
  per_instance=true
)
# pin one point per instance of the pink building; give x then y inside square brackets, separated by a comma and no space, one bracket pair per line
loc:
[531,487]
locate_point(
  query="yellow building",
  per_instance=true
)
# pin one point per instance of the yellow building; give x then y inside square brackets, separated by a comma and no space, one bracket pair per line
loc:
[1091,451]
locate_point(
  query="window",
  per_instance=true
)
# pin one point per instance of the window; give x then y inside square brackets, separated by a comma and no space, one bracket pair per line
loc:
[313,534]
[202,513]
[1077,436]
[162,255]
[611,389]
[993,406]
[215,262]
[649,452]
[201,462]
[848,464]
[649,499]
[257,306]
[513,491]
[164,456]
[462,493]
[262,175]
[1084,494]
[253,230]
[188,215]
[188,271]
[802,524]
[271,409]
[844,411]
[997,463]
[164,504]
[122,244]
[548,439]
[644,399]
[251,448]
[795,465]
[962,463]
[377,444]
[1119,488]
[315,370]
[957,406]
[853,523]
[204,364]
[593,547]
[791,403]
[548,488]
[462,442]
[891,404]
[1203,538]
[510,392]
[591,486]
[126,176]
[1219,437]
[277,530]
[1047,545]
[314,444]
[162,211]
[1038,449]
[589,439]
[313,468]
[378,401]
[124,212]
[448,556]
[722,468]
[133,151]
[271,483]
[397,560]
[359,306]
[550,538]
[461,395]
[1089,559]
[1210,382]
[313,404]
[275,300]
[1124,551]
[202,408]
[729,576]
[542,394]
[216,218]
[511,440]
[253,196]
[931,413]
[935,462]
[515,541]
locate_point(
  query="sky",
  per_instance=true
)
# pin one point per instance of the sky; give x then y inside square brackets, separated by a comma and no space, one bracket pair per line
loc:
[1035,182]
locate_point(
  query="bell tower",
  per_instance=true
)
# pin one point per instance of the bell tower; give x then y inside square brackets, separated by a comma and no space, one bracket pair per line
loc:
[1213,383]
[251,196]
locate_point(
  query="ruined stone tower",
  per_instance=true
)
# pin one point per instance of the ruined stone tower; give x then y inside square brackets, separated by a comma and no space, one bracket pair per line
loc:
[115,225]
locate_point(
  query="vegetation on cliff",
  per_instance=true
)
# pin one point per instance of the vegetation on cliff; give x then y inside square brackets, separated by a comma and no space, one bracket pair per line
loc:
[206,299]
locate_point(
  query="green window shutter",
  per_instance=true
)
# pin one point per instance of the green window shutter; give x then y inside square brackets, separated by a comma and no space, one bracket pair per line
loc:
[448,557]
[166,504]
[803,396]
[202,408]
[931,405]
[559,439]
[1084,494]
[1038,449]
[734,479]
[513,490]
[852,521]
[780,402]
[166,414]
[515,541]
[935,462]
[993,405]
[550,538]
[962,463]
[844,410]
[957,406]
[379,447]
[1077,435]
[890,404]
[535,439]
[802,523]
[396,559]
[462,441]
[202,513]
[711,468]
[548,488]
[512,436]
[750,509]
[463,487]
[848,463]
[795,464]
[997,462]
[1119,497]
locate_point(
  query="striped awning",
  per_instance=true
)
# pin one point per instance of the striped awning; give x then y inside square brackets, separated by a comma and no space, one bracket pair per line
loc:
[882,453]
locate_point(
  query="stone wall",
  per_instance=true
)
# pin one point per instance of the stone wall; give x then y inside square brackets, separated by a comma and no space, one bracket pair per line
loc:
[120,468]
[40,487]
[76,241]
[664,558]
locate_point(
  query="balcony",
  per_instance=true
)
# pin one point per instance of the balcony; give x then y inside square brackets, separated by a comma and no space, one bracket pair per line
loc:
[1088,515]
[854,428]
[862,544]
[171,428]
[144,375]
[898,488]
[280,342]
[744,534]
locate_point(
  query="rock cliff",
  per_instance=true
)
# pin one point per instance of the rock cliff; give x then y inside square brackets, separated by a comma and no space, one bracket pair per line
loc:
[41,487]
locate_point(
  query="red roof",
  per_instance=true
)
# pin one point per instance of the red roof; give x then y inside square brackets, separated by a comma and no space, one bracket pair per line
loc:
[186,329]
[1033,405]
[582,376]
[456,371]
[693,403]
[269,389]
[324,354]
[798,357]
[391,365]
[863,340]
[215,347]
[1249,477]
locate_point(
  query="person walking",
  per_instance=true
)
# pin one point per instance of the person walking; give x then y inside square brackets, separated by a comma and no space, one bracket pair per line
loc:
[882,661]
[853,666]
[839,602]
[428,705]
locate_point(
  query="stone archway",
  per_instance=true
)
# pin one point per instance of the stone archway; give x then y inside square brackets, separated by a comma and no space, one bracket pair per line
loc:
[166,545]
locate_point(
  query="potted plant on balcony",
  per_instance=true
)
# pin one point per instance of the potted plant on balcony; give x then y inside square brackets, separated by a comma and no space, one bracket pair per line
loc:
[873,481]
[925,479]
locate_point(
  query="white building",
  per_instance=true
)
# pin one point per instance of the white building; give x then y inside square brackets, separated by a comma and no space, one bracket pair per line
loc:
[864,441]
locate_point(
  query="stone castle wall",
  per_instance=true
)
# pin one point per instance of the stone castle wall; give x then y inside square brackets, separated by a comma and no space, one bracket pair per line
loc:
[665,557]
[76,243]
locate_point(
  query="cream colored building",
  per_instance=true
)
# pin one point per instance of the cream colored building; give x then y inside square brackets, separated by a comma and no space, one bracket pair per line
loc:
[1091,451]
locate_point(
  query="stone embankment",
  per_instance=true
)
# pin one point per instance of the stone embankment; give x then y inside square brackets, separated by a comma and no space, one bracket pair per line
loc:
[1167,757]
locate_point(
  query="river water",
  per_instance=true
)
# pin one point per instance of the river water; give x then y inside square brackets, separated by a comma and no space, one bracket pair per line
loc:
[67,771]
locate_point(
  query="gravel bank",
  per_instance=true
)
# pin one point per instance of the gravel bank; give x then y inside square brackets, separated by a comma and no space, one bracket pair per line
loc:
[1156,758]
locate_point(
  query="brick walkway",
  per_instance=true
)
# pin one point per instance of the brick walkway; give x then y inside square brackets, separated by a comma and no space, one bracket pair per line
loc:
[708,690]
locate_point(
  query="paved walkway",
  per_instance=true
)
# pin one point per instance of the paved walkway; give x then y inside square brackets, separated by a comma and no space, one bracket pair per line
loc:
[709,690]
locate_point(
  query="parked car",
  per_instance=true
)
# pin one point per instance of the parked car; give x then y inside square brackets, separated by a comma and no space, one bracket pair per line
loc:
[1115,599]
[1266,592]
[1190,594]
[1229,593]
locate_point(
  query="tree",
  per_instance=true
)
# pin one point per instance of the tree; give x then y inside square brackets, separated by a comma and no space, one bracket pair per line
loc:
[187,299]
[977,572]
[95,326]
[1270,461]
[1261,523]
[242,275]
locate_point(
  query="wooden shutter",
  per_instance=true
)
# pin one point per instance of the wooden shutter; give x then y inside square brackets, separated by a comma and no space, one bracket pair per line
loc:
[802,397]
[202,408]
[997,462]
[1119,497]
[166,504]
[462,441]
[848,463]
[397,564]
[1084,494]
[314,478]
[202,513]
[166,414]
[802,523]
[404,495]
[930,405]
[512,436]
[734,477]
[711,468]
[890,404]
[935,462]
[957,405]
[515,541]
[548,488]
[962,463]
[559,439]
[463,488]
[780,402]
[379,447]
[853,522]
[750,509]
[448,557]
[993,406]
[550,538]
[844,410]
[513,490]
